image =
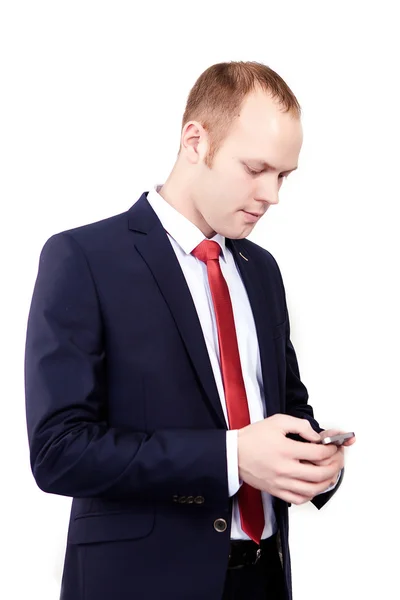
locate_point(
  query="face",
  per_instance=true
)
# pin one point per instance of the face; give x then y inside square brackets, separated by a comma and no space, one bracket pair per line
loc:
[248,170]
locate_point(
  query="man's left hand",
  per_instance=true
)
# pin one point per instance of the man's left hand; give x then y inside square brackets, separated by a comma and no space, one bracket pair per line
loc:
[338,458]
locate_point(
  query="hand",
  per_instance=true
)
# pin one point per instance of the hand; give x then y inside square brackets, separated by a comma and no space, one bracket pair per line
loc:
[271,462]
[338,458]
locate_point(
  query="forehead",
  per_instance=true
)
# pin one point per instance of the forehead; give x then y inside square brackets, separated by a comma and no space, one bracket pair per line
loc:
[263,127]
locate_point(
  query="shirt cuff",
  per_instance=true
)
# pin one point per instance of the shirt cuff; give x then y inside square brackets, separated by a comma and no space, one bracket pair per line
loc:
[330,488]
[232,461]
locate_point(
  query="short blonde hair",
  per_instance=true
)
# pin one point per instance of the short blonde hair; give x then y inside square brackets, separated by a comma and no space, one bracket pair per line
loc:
[217,96]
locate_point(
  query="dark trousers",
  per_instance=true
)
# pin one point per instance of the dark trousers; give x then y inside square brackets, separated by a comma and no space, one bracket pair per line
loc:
[262,581]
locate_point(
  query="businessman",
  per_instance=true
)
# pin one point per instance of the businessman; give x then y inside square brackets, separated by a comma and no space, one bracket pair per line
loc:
[163,392]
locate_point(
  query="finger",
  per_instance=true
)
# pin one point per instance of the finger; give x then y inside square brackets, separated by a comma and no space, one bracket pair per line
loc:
[336,459]
[350,441]
[305,489]
[302,451]
[292,498]
[329,433]
[290,424]
[310,473]
[319,463]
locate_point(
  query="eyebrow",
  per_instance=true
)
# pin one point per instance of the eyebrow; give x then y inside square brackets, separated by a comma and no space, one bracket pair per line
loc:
[266,165]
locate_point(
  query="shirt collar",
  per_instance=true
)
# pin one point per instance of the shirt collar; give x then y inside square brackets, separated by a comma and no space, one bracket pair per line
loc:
[183,231]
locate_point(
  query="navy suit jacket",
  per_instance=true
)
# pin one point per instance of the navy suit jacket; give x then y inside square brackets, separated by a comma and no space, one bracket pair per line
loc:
[123,412]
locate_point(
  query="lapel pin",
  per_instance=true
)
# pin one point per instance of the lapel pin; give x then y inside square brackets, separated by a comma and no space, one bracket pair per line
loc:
[243,257]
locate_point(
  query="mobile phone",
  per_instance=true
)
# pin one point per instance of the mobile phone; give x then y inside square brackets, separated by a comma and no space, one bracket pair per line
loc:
[338,439]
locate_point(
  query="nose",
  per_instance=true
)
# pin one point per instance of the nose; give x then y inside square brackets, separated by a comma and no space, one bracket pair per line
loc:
[268,192]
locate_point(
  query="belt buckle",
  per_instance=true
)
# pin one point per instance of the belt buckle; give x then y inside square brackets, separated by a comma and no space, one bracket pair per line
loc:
[248,562]
[258,556]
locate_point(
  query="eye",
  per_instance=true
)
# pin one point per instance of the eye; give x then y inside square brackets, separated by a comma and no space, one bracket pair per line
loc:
[252,172]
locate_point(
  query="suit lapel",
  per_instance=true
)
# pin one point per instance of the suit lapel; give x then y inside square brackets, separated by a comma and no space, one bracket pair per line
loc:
[261,311]
[153,245]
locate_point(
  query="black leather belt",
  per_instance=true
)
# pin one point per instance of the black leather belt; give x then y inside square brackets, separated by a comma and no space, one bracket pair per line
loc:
[244,553]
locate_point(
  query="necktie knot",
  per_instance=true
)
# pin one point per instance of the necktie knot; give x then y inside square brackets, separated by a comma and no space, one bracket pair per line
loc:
[207,250]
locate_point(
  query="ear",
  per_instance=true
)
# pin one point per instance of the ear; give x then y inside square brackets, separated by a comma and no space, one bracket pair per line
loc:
[194,141]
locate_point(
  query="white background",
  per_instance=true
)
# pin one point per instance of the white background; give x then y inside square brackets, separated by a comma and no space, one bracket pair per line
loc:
[92,95]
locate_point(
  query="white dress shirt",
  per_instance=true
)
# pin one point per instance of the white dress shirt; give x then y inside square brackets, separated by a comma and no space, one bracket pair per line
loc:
[184,237]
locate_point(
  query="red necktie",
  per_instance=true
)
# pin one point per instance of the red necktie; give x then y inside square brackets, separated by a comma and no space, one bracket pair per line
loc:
[250,501]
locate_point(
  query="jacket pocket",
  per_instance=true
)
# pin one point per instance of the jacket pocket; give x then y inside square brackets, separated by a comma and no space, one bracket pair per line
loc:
[111,526]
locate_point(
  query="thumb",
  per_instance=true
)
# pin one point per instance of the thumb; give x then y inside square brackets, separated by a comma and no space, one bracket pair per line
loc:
[301,426]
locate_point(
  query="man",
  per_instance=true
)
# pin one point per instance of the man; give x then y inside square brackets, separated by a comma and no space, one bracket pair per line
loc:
[163,392]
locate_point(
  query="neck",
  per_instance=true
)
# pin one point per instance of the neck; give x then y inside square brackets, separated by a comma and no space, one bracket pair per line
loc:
[178,192]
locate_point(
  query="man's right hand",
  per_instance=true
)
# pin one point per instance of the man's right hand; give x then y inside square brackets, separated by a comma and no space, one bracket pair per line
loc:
[271,462]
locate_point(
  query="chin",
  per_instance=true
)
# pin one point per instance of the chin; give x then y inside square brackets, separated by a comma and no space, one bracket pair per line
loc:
[235,232]
[241,233]
[237,235]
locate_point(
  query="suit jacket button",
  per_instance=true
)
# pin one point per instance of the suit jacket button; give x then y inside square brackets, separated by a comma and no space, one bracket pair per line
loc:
[199,500]
[182,499]
[189,500]
[220,525]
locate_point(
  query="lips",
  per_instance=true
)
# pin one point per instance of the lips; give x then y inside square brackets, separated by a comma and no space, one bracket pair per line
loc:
[255,214]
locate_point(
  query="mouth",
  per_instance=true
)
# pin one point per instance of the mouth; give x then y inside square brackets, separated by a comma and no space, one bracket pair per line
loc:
[252,217]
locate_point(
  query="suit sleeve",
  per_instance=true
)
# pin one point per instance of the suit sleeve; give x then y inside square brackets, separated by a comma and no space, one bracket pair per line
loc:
[297,402]
[296,392]
[73,449]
